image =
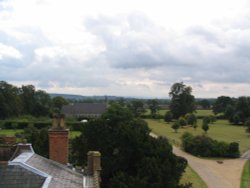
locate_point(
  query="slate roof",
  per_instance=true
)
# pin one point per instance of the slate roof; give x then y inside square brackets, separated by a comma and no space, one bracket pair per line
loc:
[29,170]
[61,175]
[16,176]
[84,109]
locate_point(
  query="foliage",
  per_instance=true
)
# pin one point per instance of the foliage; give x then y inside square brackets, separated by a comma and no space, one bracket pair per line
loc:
[38,138]
[221,104]
[58,103]
[168,116]
[130,156]
[26,100]
[176,126]
[153,106]
[182,121]
[137,107]
[237,111]
[191,119]
[205,104]
[205,126]
[205,146]
[10,103]
[247,124]
[182,101]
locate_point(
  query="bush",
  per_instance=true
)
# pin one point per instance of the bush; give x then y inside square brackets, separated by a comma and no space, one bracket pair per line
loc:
[7,125]
[41,125]
[205,146]
[233,150]
[168,116]
[22,125]
[182,121]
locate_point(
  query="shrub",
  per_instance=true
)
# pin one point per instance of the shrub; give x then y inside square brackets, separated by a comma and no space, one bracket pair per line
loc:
[168,116]
[41,125]
[207,147]
[182,121]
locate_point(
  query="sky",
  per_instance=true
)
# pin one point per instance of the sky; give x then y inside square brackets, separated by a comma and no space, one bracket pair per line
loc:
[136,48]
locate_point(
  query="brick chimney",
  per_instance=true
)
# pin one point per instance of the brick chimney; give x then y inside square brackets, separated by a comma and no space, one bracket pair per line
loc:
[58,140]
[94,167]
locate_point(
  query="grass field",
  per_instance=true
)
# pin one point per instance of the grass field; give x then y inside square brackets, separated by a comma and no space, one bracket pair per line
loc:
[220,130]
[10,132]
[245,178]
[197,112]
[191,176]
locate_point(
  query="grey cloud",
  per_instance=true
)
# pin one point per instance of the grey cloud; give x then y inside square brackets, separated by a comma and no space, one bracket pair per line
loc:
[137,46]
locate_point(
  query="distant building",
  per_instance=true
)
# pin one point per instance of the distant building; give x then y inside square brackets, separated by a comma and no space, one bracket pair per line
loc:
[88,110]
[26,169]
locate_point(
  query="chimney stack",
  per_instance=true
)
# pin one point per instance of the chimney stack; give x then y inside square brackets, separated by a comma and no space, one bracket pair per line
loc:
[94,167]
[58,140]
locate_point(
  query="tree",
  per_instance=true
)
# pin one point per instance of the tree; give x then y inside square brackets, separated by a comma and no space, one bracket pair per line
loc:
[168,116]
[10,103]
[176,126]
[27,95]
[205,104]
[247,124]
[205,126]
[221,104]
[42,104]
[130,156]
[58,103]
[182,101]
[182,121]
[153,106]
[191,119]
[39,140]
[137,107]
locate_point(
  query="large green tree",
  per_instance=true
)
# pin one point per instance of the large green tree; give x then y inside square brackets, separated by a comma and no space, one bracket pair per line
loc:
[182,101]
[137,107]
[221,104]
[153,107]
[130,156]
[10,103]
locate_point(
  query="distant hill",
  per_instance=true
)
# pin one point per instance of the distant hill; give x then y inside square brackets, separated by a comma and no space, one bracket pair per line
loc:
[86,98]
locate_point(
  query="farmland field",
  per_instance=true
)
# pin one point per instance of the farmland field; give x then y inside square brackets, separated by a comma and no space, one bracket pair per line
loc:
[221,130]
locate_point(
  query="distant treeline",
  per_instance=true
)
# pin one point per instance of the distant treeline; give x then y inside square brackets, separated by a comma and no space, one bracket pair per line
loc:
[26,100]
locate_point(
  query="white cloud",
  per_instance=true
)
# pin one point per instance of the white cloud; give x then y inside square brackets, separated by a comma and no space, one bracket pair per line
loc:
[9,52]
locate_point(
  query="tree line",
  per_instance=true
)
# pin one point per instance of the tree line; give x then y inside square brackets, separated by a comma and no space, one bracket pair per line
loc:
[26,100]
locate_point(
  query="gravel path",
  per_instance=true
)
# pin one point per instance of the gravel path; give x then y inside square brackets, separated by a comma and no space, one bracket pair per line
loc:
[216,174]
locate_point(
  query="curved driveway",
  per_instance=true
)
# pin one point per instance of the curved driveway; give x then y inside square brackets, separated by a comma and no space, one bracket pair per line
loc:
[216,174]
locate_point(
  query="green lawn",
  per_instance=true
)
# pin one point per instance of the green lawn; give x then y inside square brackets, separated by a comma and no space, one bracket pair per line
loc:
[203,112]
[191,176]
[245,177]
[220,130]
[197,112]
[10,132]
[74,134]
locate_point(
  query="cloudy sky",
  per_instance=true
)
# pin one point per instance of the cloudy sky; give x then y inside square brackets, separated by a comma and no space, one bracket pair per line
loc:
[126,48]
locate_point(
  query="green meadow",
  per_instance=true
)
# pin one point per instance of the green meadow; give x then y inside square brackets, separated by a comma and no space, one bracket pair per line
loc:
[220,130]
